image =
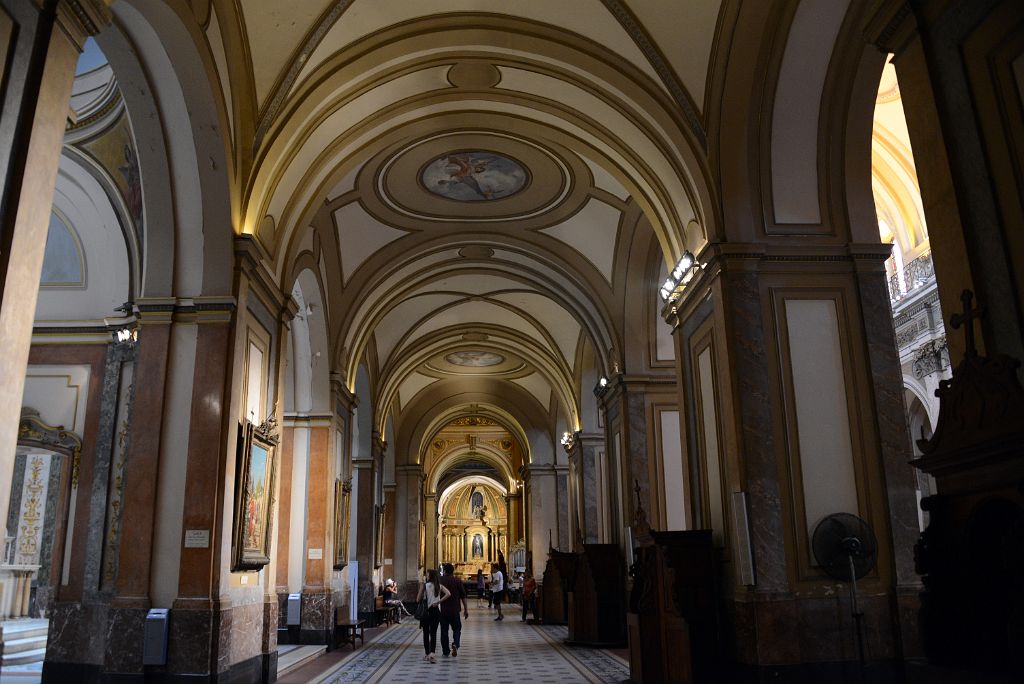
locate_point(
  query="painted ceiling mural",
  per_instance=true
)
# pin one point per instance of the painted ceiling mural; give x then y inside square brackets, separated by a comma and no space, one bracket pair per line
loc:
[473,176]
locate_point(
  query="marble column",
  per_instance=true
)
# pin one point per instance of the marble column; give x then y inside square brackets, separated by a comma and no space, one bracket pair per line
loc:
[591,499]
[82,639]
[317,603]
[430,515]
[514,513]
[565,540]
[782,610]
[363,483]
[45,46]
[408,502]
[201,620]
[543,514]
[624,402]
[132,600]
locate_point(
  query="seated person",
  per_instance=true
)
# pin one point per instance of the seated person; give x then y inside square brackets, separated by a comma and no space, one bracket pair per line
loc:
[391,597]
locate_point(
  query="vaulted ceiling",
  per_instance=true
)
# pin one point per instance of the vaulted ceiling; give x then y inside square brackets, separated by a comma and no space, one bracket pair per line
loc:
[476,186]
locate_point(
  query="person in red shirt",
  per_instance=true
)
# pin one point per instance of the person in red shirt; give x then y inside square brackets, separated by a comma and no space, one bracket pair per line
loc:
[450,611]
[529,595]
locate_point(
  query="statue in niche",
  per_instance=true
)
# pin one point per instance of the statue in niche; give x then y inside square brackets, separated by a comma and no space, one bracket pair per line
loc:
[476,502]
[478,546]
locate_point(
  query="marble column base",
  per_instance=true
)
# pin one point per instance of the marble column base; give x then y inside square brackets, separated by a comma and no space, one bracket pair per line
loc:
[783,631]
[317,624]
[78,634]
[98,644]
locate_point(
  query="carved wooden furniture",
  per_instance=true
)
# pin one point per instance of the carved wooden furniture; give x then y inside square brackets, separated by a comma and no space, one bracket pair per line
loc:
[554,595]
[347,631]
[385,614]
[971,555]
[673,619]
[597,597]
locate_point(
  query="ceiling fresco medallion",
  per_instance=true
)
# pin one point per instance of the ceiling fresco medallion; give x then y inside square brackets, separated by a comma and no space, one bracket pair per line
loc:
[474,359]
[473,176]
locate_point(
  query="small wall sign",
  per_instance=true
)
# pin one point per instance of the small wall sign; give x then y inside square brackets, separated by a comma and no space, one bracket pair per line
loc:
[197,539]
[315,554]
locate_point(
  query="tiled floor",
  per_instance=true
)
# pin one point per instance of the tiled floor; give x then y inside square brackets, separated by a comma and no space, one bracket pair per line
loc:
[490,650]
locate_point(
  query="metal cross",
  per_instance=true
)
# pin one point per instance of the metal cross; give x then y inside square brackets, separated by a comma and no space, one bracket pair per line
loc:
[967,317]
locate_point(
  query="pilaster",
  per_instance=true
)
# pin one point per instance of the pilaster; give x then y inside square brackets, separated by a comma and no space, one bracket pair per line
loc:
[37,89]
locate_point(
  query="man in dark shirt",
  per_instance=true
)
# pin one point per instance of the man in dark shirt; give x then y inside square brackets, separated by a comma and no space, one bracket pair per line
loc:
[450,610]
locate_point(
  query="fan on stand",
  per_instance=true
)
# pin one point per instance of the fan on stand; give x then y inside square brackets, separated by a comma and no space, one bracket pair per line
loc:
[845,548]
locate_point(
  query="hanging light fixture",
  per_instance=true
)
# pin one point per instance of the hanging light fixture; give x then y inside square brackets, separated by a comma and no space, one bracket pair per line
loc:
[686,268]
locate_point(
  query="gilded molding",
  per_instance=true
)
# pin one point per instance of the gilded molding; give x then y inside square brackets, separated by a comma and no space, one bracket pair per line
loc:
[33,430]
[661,67]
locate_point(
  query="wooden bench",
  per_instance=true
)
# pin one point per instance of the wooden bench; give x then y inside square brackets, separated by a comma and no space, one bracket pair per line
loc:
[347,631]
[386,614]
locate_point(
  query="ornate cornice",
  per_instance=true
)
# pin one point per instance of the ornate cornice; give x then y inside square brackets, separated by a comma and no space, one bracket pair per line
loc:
[83,18]
[667,75]
[33,430]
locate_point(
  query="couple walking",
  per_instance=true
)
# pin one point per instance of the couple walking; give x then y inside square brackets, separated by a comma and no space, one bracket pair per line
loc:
[443,594]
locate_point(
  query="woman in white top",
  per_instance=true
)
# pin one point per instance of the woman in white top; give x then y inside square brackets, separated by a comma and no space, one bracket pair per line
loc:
[435,592]
[497,588]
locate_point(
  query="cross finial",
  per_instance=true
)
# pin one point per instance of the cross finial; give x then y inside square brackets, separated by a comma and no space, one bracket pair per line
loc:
[967,317]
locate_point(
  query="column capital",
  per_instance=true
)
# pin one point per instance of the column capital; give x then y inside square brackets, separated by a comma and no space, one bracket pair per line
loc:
[890,26]
[251,259]
[345,402]
[82,18]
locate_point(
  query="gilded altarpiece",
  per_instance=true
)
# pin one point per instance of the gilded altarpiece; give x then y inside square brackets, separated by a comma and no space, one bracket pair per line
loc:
[474,528]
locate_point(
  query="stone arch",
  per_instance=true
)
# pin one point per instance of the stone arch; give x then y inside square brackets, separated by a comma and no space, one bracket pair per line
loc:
[177,120]
[307,382]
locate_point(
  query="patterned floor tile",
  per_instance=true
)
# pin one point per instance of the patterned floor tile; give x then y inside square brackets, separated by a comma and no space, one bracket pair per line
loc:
[509,650]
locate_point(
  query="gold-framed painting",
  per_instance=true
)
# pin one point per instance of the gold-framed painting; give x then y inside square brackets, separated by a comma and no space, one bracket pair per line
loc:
[254,495]
[342,496]
[378,537]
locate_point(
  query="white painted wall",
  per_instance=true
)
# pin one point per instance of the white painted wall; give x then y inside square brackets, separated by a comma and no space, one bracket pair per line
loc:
[819,386]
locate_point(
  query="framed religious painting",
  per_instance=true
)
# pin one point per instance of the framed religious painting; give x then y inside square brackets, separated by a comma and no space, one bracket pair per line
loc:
[254,495]
[342,495]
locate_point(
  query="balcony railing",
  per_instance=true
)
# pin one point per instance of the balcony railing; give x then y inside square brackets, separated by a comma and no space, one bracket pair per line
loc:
[916,274]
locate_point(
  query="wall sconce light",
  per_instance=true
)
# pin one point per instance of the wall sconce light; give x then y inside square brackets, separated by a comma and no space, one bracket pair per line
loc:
[682,274]
[126,335]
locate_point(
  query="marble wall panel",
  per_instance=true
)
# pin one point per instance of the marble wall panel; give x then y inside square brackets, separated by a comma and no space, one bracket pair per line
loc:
[246,631]
[77,633]
[124,639]
[751,365]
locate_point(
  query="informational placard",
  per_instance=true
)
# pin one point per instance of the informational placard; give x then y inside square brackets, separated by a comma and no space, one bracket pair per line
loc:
[197,539]
[315,554]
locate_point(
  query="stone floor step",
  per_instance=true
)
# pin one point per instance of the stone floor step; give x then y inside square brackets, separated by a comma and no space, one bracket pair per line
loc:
[25,657]
[21,627]
[28,643]
[297,657]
